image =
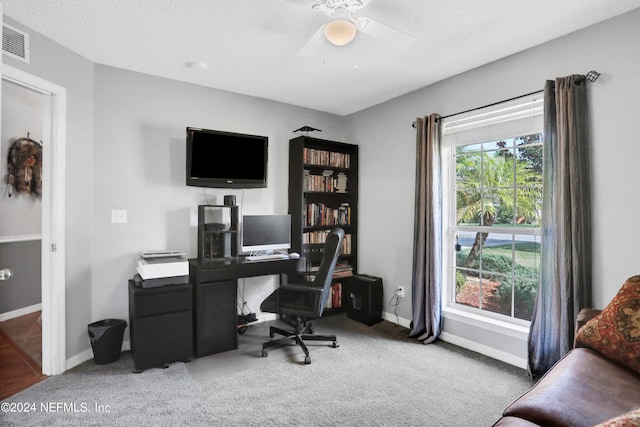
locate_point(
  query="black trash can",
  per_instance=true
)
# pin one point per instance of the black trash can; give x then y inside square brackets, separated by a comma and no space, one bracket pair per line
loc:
[106,339]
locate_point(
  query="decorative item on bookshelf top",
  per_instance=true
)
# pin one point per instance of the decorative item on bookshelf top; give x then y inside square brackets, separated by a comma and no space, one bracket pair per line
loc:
[307,129]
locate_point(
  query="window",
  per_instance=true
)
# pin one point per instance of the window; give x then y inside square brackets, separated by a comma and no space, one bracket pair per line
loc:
[493,207]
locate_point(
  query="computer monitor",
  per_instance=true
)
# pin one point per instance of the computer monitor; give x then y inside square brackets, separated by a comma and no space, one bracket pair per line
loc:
[265,233]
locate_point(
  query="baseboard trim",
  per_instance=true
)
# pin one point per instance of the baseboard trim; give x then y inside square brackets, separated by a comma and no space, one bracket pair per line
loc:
[485,350]
[20,239]
[20,312]
[465,343]
[79,358]
[444,336]
[390,317]
[82,357]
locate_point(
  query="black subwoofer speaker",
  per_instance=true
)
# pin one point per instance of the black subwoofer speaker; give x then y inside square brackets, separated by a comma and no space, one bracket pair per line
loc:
[364,298]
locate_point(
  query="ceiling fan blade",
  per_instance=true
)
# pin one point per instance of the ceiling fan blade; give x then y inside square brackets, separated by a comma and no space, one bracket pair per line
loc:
[321,5]
[384,32]
[365,2]
[313,44]
[304,3]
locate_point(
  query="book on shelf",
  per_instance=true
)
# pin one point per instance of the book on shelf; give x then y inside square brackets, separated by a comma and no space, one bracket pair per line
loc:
[317,214]
[312,156]
[343,269]
[320,237]
[325,183]
[335,299]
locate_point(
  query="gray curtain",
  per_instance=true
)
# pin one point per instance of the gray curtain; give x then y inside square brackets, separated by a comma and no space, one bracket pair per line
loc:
[565,259]
[427,241]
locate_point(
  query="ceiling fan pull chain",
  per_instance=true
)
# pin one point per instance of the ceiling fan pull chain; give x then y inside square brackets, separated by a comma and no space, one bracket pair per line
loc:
[324,51]
[355,68]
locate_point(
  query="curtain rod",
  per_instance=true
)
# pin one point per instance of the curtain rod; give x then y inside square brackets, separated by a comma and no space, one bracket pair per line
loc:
[591,76]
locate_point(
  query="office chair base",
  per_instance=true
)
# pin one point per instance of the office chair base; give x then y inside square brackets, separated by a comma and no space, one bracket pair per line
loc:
[301,335]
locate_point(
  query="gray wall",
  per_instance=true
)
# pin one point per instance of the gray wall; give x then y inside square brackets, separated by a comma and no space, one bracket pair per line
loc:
[127,155]
[139,165]
[23,289]
[387,153]
[52,62]
[132,158]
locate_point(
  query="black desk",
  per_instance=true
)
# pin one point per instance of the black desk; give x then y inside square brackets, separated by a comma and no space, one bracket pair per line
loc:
[215,298]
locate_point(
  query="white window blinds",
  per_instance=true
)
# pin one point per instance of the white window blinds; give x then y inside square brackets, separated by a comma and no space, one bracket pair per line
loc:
[509,119]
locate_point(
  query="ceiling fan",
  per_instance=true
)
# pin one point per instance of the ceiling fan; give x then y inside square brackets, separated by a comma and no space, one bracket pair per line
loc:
[344,25]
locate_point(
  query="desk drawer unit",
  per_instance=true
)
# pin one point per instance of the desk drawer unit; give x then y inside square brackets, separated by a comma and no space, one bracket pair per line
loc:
[160,325]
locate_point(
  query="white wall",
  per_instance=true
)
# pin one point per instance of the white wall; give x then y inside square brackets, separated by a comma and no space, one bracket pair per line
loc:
[387,153]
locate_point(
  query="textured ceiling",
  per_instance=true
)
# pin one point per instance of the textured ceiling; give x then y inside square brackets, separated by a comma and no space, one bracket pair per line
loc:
[250,46]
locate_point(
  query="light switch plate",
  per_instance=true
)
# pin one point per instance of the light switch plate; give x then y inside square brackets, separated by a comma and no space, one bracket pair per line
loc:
[118,216]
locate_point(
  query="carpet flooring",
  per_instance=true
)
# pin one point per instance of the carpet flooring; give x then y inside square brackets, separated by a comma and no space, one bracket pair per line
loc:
[376,377]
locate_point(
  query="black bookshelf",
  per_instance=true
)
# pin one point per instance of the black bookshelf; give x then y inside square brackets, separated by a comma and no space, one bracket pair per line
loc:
[323,194]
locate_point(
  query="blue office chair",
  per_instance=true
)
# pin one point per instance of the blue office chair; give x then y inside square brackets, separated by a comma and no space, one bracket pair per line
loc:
[301,303]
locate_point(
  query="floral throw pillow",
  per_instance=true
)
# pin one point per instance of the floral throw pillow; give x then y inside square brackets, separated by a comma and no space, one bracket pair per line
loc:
[630,419]
[615,332]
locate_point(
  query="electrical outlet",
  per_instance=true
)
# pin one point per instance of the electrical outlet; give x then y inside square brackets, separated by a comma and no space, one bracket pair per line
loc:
[400,291]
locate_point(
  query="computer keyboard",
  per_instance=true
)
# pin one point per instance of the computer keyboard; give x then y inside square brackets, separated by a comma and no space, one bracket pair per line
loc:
[267,257]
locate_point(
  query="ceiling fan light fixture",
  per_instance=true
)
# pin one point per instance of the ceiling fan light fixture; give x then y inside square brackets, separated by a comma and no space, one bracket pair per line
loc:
[340,32]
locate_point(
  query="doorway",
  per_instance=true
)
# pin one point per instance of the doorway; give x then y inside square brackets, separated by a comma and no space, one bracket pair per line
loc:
[25,118]
[51,110]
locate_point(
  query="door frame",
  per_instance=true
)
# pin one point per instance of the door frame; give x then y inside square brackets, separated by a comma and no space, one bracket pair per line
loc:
[53,221]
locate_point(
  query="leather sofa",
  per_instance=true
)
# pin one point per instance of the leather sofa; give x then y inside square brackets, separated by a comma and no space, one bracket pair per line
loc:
[585,388]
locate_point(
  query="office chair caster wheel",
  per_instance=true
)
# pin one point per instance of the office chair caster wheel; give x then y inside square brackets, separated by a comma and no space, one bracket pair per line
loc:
[307,360]
[335,344]
[264,353]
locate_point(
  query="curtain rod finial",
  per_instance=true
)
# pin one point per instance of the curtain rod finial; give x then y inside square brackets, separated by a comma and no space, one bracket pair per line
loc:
[592,76]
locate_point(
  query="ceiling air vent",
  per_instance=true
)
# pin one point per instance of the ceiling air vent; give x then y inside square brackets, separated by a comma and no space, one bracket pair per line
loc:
[15,43]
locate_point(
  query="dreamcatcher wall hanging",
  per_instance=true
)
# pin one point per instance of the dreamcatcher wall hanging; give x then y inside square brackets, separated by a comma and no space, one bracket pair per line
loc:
[25,167]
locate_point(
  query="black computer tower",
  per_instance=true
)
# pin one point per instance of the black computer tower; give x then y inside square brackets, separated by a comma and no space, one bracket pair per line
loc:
[364,298]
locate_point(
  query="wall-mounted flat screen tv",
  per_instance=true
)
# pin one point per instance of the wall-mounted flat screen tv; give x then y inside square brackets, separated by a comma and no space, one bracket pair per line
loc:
[225,159]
